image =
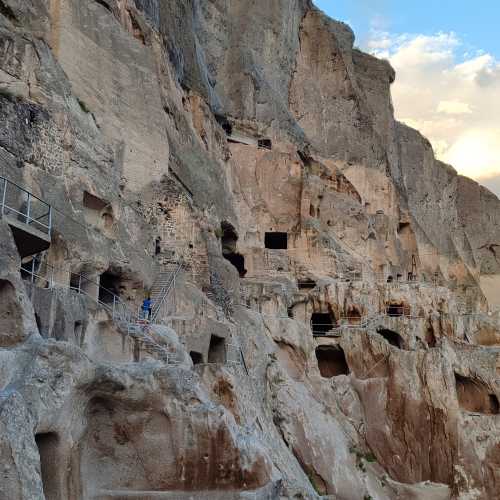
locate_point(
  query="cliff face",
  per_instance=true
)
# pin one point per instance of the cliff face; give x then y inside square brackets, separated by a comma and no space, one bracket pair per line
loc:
[324,290]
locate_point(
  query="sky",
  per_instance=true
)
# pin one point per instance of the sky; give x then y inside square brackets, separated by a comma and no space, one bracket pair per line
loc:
[447,58]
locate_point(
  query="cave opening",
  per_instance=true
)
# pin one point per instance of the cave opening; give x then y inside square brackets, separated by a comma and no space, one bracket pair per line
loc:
[403,226]
[48,445]
[238,261]
[265,144]
[225,124]
[109,287]
[430,337]
[331,361]
[474,396]
[322,323]
[229,237]
[196,357]
[276,241]
[306,284]
[229,241]
[354,315]
[217,350]
[393,338]
[397,310]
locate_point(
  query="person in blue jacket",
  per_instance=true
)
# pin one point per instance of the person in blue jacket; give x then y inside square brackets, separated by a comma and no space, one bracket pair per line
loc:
[147,305]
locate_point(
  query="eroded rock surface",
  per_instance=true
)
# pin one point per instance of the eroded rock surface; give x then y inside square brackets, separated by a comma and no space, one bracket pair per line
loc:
[325,319]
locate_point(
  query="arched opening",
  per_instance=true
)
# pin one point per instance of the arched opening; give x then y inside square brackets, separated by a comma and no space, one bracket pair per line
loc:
[322,323]
[229,241]
[229,238]
[196,357]
[50,465]
[391,337]
[331,361]
[353,315]
[157,246]
[474,396]
[107,218]
[217,350]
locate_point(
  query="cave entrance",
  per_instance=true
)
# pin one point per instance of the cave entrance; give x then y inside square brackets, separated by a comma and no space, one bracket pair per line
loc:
[331,361]
[238,261]
[322,323]
[50,465]
[265,144]
[217,350]
[276,241]
[396,310]
[354,316]
[158,246]
[306,284]
[196,357]
[229,238]
[474,396]
[430,338]
[229,241]
[109,287]
[225,124]
[391,337]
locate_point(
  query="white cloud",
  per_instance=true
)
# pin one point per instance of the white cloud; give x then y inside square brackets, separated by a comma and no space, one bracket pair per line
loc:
[450,95]
[454,108]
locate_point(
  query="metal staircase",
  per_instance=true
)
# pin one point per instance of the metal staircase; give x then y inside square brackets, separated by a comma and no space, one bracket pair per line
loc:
[42,275]
[161,293]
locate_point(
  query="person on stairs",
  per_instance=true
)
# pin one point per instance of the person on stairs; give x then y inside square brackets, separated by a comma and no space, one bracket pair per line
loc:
[147,306]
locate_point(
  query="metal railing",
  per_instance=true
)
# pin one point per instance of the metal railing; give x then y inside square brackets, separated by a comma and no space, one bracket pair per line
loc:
[161,307]
[26,207]
[42,274]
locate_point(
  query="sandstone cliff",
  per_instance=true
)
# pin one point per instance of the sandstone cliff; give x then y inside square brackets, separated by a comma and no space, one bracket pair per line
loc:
[325,292]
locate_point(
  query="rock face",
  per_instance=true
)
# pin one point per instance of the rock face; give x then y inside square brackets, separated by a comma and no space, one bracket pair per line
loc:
[325,293]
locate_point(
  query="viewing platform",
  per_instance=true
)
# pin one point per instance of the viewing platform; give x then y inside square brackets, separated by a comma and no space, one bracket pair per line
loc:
[29,217]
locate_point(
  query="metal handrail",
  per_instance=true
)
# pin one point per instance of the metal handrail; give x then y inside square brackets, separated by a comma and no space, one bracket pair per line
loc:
[165,292]
[118,309]
[116,306]
[6,208]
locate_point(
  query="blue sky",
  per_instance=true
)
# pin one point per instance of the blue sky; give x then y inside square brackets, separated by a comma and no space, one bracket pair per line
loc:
[447,60]
[476,22]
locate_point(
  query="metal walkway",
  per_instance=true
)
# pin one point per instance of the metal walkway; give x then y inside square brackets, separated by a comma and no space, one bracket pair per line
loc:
[29,217]
[42,275]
